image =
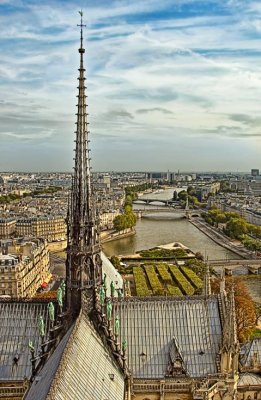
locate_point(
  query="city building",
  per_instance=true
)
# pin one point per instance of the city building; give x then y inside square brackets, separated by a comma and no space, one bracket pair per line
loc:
[7,227]
[107,218]
[204,190]
[254,172]
[50,228]
[24,267]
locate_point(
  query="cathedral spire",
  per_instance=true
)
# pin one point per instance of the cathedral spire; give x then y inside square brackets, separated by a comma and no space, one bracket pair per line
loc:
[83,262]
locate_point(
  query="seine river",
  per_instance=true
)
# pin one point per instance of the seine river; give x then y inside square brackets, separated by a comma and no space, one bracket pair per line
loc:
[166,228]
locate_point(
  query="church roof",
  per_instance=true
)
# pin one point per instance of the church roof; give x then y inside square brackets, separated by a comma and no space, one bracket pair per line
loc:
[111,273]
[18,326]
[42,383]
[149,325]
[86,369]
[249,351]
[247,379]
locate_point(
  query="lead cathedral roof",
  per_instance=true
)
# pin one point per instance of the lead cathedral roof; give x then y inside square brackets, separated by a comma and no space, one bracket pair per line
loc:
[150,326]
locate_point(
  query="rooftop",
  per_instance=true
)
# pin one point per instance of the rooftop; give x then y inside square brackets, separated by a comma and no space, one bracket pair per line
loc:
[152,325]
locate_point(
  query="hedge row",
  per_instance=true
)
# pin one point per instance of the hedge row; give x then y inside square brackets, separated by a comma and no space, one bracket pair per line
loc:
[163,253]
[181,280]
[174,291]
[154,280]
[140,282]
[164,273]
[192,277]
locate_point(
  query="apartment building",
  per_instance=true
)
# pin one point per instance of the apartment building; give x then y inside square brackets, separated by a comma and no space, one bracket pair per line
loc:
[24,267]
[50,228]
[7,227]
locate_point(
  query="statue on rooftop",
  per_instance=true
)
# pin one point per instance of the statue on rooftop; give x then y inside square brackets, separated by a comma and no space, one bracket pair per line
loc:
[31,346]
[41,326]
[102,295]
[63,287]
[60,296]
[109,310]
[116,326]
[104,281]
[112,289]
[51,311]
[124,345]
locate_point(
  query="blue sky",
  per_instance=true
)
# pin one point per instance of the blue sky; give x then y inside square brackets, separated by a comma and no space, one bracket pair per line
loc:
[172,84]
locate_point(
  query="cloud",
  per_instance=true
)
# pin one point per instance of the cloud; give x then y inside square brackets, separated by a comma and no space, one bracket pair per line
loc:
[29,136]
[155,109]
[246,119]
[231,132]
[118,114]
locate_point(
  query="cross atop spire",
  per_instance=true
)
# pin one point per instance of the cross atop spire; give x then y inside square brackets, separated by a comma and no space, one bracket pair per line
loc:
[81,49]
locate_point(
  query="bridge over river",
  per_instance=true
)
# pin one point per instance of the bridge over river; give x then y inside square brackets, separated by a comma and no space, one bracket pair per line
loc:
[165,202]
[164,206]
[143,212]
[253,266]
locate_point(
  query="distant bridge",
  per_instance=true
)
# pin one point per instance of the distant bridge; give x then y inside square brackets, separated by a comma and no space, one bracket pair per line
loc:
[149,201]
[166,203]
[253,266]
[162,209]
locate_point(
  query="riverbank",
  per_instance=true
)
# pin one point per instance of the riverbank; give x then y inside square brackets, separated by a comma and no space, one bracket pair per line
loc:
[222,240]
[110,235]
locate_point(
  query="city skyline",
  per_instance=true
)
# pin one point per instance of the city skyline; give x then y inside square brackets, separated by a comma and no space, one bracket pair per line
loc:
[170,87]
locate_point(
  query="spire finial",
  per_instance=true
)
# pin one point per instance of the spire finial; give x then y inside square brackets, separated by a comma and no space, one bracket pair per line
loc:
[81,50]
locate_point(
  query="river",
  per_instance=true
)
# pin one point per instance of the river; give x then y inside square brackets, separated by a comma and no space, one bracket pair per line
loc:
[166,228]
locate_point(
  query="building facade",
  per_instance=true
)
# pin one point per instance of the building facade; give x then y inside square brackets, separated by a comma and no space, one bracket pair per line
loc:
[50,228]
[24,267]
[7,227]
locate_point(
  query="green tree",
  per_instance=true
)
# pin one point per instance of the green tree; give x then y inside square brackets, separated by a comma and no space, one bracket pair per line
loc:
[175,195]
[115,262]
[183,195]
[118,223]
[236,227]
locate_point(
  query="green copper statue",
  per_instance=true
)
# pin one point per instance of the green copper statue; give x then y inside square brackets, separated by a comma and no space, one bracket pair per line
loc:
[51,311]
[102,295]
[41,326]
[63,287]
[60,296]
[31,346]
[112,289]
[124,345]
[116,326]
[104,281]
[109,310]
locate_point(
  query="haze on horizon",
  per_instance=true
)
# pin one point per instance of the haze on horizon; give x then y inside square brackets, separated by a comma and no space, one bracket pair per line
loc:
[170,86]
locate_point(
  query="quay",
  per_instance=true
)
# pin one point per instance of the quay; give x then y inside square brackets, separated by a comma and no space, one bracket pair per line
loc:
[221,239]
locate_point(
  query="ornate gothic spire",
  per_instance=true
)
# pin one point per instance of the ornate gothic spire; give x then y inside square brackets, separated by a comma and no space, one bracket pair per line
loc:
[230,345]
[83,266]
[207,284]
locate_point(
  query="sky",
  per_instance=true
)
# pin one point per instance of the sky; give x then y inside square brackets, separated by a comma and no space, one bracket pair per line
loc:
[172,84]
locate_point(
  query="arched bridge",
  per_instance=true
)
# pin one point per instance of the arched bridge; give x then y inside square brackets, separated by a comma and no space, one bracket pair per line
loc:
[149,201]
[161,209]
